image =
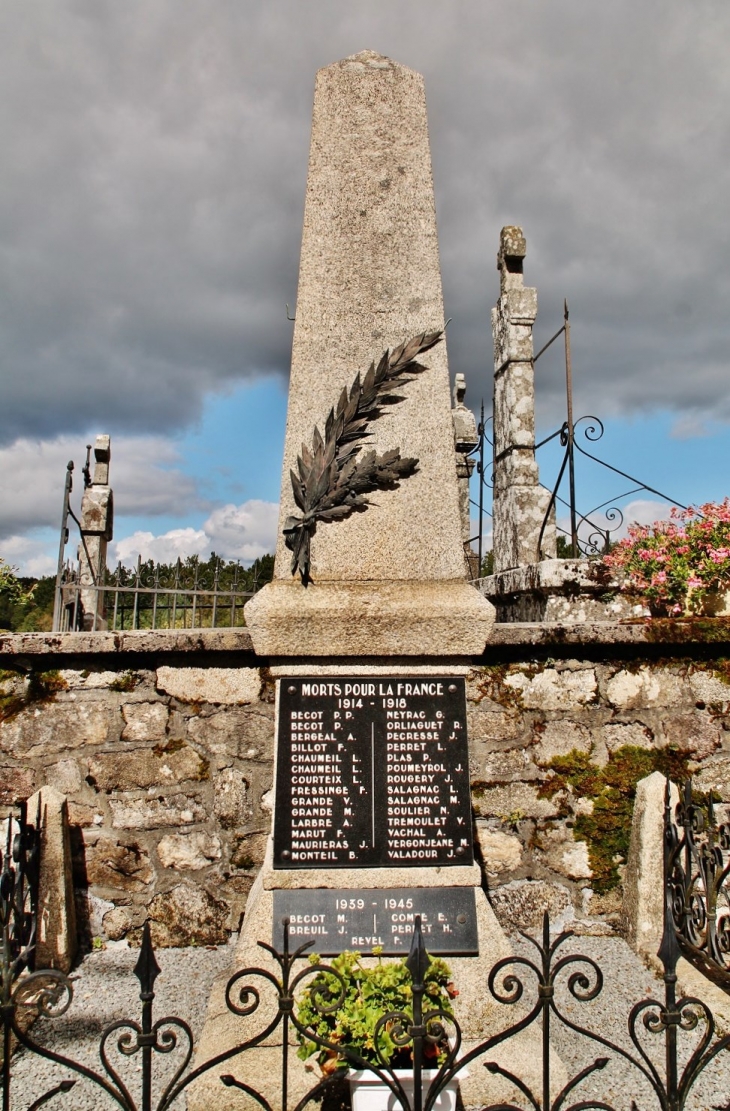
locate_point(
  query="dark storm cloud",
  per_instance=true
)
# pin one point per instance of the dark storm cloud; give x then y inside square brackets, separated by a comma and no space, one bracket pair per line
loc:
[155,162]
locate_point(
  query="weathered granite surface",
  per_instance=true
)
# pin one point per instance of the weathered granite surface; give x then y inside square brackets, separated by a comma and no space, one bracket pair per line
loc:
[519,502]
[390,580]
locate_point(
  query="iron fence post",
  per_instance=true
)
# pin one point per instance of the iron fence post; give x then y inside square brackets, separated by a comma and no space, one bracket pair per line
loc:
[68,486]
[417,964]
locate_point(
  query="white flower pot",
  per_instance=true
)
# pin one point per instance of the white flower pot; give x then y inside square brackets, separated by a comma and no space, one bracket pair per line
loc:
[369,1093]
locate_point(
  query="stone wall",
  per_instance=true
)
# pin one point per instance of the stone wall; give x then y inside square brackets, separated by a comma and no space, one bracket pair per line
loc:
[167,767]
[163,744]
[526,715]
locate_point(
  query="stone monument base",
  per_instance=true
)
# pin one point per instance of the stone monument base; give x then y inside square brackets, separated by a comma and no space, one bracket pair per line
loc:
[371,618]
[478,1014]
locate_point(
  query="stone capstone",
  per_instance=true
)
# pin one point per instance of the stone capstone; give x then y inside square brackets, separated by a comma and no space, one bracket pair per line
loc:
[217,685]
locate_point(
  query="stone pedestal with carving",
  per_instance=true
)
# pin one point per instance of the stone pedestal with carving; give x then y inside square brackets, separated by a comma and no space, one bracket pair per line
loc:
[97,525]
[520,502]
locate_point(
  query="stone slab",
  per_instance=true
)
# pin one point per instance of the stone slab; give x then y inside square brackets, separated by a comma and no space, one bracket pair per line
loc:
[227,686]
[414,618]
[56,940]
[556,635]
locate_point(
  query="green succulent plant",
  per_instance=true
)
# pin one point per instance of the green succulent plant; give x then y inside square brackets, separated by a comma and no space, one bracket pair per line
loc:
[369,993]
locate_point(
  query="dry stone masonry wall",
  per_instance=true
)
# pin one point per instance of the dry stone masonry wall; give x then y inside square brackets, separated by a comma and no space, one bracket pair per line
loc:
[167,772]
[556,749]
[167,764]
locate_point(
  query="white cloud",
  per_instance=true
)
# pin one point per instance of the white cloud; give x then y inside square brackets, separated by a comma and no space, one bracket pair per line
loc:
[690,427]
[145,477]
[153,185]
[30,554]
[242,532]
[179,542]
[641,511]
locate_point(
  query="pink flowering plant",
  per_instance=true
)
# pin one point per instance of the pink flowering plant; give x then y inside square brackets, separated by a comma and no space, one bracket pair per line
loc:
[675,564]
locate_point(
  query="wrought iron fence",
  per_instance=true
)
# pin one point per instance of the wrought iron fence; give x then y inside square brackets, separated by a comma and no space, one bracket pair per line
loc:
[530,986]
[186,596]
[586,535]
[697,856]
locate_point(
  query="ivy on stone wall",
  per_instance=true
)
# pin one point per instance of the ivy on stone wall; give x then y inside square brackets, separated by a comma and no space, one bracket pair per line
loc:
[605,825]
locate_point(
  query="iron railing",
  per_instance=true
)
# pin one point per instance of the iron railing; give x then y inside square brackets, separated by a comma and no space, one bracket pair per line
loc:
[697,866]
[586,536]
[151,597]
[667,1075]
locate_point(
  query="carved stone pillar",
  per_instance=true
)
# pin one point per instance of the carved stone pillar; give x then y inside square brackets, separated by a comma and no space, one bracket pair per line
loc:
[519,501]
[97,523]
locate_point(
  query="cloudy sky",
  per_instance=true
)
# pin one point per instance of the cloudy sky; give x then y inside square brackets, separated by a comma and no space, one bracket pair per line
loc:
[151,200]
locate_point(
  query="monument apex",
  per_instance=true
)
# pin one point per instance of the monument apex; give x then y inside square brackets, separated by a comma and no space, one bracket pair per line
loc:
[391,580]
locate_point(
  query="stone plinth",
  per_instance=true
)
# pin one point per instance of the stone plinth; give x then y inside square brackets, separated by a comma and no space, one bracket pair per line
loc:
[370,280]
[567,590]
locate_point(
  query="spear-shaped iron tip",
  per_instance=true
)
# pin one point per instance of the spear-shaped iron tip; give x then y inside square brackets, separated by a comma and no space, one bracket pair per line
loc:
[418,960]
[146,969]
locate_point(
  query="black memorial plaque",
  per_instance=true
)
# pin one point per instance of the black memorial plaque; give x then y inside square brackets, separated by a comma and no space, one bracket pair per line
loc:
[362,920]
[372,772]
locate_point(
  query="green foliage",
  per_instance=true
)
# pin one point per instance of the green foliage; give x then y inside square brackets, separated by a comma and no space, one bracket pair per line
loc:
[563,547]
[369,993]
[190,574]
[612,790]
[487,564]
[18,599]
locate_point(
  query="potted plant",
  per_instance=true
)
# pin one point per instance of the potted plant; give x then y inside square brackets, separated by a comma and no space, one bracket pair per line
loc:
[681,565]
[365,993]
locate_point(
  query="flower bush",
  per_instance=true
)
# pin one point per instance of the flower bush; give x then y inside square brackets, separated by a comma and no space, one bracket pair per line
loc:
[674,564]
[370,993]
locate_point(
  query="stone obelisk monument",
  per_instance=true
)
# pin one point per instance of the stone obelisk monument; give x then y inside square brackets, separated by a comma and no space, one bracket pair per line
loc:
[390,580]
[371,637]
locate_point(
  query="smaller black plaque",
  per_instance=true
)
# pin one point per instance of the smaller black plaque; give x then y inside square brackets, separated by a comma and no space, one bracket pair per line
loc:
[360,920]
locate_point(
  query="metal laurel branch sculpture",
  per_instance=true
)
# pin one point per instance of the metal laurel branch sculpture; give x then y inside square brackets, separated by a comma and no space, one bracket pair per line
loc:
[332,478]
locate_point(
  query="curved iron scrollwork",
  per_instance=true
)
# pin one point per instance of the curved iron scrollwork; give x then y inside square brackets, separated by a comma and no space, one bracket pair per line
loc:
[19,862]
[697,849]
[535,985]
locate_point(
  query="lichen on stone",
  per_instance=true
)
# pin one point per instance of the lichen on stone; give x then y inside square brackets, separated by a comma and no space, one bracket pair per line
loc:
[611,789]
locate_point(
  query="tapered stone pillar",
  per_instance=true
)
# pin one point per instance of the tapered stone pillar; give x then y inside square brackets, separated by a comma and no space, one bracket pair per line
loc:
[390,580]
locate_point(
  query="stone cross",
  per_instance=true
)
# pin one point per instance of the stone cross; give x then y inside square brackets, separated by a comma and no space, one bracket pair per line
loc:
[390,580]
[519,502]
[97,525]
